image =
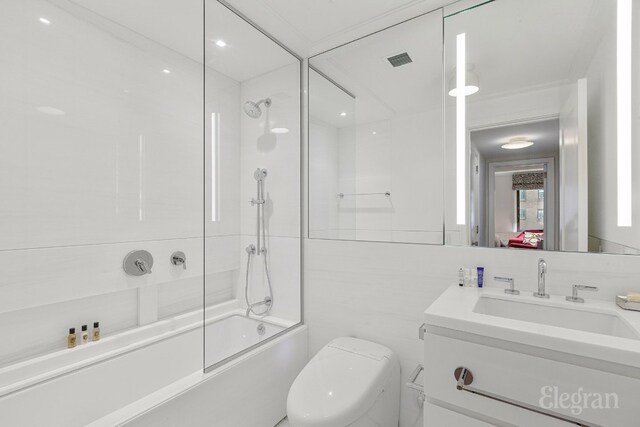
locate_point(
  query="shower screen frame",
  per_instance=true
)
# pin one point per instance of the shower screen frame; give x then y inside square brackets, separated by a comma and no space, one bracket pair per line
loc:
[302,195]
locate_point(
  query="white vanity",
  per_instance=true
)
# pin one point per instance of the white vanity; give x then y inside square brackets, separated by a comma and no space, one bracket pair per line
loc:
[529,361]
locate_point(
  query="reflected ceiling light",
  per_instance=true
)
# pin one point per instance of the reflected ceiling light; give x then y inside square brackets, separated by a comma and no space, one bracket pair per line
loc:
[51,111]
[624,83]
[280,131]
[471,85]
[374,133]
[166,71]
[343,114]
[221,43]
[45,21]
[517,144]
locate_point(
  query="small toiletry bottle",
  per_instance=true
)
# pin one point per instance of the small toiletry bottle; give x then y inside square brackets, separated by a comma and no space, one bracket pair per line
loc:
[71,338]
[467,277]
[84,336]
[480,276]
[96,331]
[461,277]
[474,278]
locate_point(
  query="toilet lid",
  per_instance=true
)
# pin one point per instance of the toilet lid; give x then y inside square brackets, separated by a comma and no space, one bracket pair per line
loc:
[339,384]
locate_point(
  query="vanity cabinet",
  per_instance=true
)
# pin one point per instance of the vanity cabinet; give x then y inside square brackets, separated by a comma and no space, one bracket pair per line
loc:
[522,375]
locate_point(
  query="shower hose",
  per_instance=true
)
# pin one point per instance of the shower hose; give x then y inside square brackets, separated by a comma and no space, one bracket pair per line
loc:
[251,307]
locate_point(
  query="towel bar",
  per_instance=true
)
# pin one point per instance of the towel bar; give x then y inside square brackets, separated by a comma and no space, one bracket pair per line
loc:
[464,378]
[386,193]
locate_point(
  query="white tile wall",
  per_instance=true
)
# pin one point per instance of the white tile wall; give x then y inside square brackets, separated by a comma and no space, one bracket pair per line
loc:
[379,291]
[119,169]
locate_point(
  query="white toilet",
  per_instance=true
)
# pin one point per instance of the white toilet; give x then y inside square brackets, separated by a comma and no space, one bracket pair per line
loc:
[350,382]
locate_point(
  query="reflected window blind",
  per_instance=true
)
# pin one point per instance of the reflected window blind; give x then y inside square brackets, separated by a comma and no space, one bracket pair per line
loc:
[529,181]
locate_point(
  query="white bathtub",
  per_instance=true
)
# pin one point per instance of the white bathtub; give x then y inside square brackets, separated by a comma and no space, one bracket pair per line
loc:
[231,335]
[84,385]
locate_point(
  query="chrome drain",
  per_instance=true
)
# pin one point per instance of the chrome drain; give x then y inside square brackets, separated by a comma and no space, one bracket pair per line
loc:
[261,329]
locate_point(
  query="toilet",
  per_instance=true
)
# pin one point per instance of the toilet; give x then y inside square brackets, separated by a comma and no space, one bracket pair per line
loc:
[349,383]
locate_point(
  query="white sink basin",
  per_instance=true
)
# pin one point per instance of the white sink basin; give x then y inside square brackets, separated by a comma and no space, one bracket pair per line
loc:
[555,315]
[596,329]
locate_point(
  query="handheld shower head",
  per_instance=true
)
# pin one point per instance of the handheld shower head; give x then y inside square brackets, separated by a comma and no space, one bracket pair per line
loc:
[252,109]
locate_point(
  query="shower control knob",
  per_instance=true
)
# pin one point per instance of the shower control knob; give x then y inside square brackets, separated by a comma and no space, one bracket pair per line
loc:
[179,258]
[138,263]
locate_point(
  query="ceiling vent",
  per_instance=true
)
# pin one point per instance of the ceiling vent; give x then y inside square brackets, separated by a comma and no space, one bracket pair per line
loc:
[400,59]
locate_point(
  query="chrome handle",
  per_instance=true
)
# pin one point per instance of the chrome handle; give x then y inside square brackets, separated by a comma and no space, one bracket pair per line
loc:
[179,258]
[138,263]
[574,292]
[512,288]
[142,266]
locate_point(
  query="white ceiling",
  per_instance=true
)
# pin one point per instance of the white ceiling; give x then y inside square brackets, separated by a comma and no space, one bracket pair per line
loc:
[329,101]
[312,26]
[544,134]
[515,45]
[381,90]
[178,25]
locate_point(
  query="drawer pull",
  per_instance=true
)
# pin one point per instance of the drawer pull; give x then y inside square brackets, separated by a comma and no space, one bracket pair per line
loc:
[464,378]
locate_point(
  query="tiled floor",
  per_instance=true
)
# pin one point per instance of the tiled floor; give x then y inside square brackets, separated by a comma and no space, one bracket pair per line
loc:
[283,423]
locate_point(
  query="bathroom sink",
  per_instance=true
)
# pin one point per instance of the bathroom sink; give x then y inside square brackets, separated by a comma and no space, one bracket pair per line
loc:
[560,315]
[596,329]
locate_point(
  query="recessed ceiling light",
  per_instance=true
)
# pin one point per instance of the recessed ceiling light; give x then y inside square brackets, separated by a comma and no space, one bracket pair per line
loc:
[343,114]
[51,111]
[280,131]
[45,21]
[517,144]
[166,71]
[374,133]
[221,43]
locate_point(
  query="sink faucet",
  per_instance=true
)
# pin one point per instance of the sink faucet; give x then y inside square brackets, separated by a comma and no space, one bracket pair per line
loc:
[542,274]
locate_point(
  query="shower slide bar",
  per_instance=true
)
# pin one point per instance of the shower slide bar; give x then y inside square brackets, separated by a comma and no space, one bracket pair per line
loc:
[464,378]
[343,195]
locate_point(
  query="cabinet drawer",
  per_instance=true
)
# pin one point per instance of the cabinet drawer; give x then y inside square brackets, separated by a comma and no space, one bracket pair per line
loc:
[528,379]
[437,416]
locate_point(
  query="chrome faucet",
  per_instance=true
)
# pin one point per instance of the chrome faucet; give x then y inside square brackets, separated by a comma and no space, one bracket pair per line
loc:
[542,275]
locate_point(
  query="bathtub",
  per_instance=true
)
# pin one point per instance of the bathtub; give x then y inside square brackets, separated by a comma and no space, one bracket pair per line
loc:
[124,375]
[231,335]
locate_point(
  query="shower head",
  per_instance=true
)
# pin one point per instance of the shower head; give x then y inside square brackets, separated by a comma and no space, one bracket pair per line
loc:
[253,108]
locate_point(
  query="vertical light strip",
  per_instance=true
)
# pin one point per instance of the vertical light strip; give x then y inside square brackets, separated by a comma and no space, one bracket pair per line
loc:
[624,25]
[141,178]
[215,135]
[461,128]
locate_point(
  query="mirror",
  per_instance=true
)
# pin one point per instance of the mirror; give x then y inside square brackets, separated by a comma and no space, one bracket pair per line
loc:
[375,136]
[538,145]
